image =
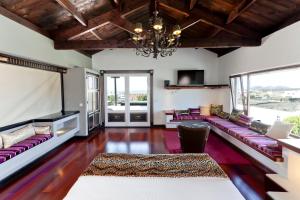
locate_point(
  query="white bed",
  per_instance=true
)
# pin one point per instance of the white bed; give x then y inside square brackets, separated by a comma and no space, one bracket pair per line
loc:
[153,188]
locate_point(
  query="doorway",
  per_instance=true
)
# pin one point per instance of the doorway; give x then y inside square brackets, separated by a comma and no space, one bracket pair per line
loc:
[127,99]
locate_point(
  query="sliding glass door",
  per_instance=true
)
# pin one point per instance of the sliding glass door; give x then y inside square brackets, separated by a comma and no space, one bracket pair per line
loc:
[127,100]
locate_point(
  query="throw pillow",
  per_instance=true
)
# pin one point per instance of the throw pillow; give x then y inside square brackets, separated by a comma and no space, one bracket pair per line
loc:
[205,110]
[40,130]
[280,130]
[19,135]
[223,115]
[244,120]
[234,116]
[215,109]
[178,113]
[1,142]
[259,127]
[194,111]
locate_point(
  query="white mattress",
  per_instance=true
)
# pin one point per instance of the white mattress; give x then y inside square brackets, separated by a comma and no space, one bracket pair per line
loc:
[153,188]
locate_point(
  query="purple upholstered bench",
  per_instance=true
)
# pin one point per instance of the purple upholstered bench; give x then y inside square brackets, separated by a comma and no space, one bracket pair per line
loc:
[267,146]
[8,153]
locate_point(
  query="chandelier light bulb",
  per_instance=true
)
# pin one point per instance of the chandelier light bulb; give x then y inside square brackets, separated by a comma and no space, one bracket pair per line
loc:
[176,30]
[171,39]
[138,28]
[135,38]
[158,25]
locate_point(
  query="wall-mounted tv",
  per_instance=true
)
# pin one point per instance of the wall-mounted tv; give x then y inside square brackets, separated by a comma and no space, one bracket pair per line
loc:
[190,77]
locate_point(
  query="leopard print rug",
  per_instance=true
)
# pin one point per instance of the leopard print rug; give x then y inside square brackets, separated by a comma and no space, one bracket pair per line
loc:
[156,165]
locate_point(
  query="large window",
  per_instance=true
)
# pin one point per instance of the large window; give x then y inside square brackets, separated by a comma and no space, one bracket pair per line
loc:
[272,95]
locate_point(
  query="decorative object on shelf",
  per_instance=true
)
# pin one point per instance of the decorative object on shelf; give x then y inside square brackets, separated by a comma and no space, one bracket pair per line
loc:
[166,83]
[156,40]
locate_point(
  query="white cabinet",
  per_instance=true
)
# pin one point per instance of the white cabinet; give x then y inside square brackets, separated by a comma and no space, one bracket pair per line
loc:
[82,92]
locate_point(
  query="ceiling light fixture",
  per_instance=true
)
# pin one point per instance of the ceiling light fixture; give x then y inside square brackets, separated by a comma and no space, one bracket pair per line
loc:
[156,40]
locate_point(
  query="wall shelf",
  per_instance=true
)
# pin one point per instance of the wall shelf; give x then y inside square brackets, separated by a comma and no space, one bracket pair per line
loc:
[179,87]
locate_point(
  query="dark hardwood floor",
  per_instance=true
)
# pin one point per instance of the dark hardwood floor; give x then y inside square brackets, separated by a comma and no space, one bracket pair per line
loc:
[53,175]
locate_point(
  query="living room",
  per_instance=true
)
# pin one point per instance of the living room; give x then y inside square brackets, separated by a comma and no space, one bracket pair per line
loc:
[78,95]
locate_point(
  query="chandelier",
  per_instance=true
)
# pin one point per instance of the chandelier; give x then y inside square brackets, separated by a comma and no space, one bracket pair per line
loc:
[157,40]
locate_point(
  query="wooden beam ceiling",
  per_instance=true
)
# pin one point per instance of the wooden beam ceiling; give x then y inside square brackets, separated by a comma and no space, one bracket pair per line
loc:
[223,42]
[237,11]
[113,16]
[191,4]
[202,15]
[23,21]
[72,9]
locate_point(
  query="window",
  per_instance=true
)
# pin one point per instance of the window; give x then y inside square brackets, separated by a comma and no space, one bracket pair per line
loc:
[272,95]
[239,86]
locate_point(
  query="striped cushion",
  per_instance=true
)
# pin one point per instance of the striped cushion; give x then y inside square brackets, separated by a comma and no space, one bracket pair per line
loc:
[8,153]
[16,149]
[244,120]
[241,132]
[1,142]
[194,111]
[2,159]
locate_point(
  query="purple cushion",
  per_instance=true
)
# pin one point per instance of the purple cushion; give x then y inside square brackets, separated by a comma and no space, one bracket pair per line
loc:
[261,141]
[194,111]
[2,159]
[16,149]
[241,132]
[6,154]
[46,136]
[226,125]
[24,144]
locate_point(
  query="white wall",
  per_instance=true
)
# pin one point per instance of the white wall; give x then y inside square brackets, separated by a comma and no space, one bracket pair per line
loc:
[21,41]
[166,69]
[281,48]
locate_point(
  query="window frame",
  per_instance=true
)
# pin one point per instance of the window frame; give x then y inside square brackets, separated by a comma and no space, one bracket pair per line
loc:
[246,98]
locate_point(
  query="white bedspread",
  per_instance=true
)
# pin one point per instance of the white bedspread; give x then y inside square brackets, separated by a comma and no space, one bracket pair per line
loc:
[153,188]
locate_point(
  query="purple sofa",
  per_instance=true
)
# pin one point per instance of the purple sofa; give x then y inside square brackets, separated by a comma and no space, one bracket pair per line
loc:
[261,143]
[267,146]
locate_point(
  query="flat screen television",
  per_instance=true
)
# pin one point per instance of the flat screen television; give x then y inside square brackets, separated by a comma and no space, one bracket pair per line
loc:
[190,77]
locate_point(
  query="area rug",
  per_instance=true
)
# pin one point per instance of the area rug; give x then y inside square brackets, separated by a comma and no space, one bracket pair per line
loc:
[220,151]
[156,165]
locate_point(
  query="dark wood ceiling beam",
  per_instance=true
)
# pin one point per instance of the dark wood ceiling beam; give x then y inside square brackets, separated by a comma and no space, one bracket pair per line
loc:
[66,4]
[22,21]
[191,4]
[224,42]
[98,21]
[288,21]
[93,44]
[96,35]
[202,15]
[172,9]
[123,23]
[237,11]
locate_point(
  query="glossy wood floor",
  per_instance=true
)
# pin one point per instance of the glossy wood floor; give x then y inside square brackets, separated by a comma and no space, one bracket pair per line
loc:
[53,175]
